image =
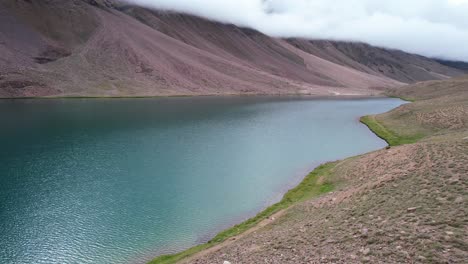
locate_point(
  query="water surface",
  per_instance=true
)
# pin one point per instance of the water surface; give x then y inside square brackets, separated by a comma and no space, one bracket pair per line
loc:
[123,180]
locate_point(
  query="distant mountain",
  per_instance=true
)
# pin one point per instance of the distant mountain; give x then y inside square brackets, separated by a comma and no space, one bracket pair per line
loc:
[108,48]
[461,65]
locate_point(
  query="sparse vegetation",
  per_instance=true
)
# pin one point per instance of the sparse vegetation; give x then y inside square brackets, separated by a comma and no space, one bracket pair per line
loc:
[392,138]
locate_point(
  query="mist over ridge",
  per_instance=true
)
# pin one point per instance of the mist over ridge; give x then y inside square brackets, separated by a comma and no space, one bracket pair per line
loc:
[434,28]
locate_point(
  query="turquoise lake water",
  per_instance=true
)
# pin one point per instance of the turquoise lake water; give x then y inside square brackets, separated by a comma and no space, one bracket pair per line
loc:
[124,180]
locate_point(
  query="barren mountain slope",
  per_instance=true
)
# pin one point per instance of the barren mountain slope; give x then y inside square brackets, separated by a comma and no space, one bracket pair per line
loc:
[107,48]
[394,64]
[454,64]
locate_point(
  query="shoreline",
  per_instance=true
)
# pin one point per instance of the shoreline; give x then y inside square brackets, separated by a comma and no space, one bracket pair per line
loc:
[391,177]
[318,96]
[298,178]
[315,184]
[270,214]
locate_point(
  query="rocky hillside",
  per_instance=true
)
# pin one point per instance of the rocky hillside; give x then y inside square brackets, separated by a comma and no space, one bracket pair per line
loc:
[107,48]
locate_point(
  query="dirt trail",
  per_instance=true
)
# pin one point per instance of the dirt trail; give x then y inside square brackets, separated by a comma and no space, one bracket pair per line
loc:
[231,240]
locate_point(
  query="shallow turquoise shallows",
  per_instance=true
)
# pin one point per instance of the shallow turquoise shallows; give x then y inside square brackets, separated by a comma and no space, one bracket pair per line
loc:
[124,180]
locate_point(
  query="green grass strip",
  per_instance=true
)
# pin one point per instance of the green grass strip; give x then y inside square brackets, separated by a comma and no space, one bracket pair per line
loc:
[411,100]
[318,182]
[392,138]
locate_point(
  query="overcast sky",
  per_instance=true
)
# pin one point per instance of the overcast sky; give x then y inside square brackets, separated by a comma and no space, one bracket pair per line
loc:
[435,28]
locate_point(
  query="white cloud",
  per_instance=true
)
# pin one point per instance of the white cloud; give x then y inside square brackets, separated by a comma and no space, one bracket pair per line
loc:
[428,27]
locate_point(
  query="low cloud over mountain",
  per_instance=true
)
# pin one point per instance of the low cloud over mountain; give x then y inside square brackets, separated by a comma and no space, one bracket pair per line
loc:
[435,28]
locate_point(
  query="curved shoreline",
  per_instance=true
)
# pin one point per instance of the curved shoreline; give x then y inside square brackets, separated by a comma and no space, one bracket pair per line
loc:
[271,213]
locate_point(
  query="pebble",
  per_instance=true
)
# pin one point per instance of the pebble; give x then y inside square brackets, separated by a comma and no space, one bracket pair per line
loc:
[226,262]
[454,180]
[366,251]
[364,232]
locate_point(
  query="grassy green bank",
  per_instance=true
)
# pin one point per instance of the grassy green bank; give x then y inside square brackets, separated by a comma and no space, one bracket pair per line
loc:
[390,136]
[316,183]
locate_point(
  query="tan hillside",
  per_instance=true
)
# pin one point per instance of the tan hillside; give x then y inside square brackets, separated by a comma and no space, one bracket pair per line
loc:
[109,48]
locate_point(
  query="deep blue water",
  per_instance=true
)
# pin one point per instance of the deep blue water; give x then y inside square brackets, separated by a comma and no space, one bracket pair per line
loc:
[123,180]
